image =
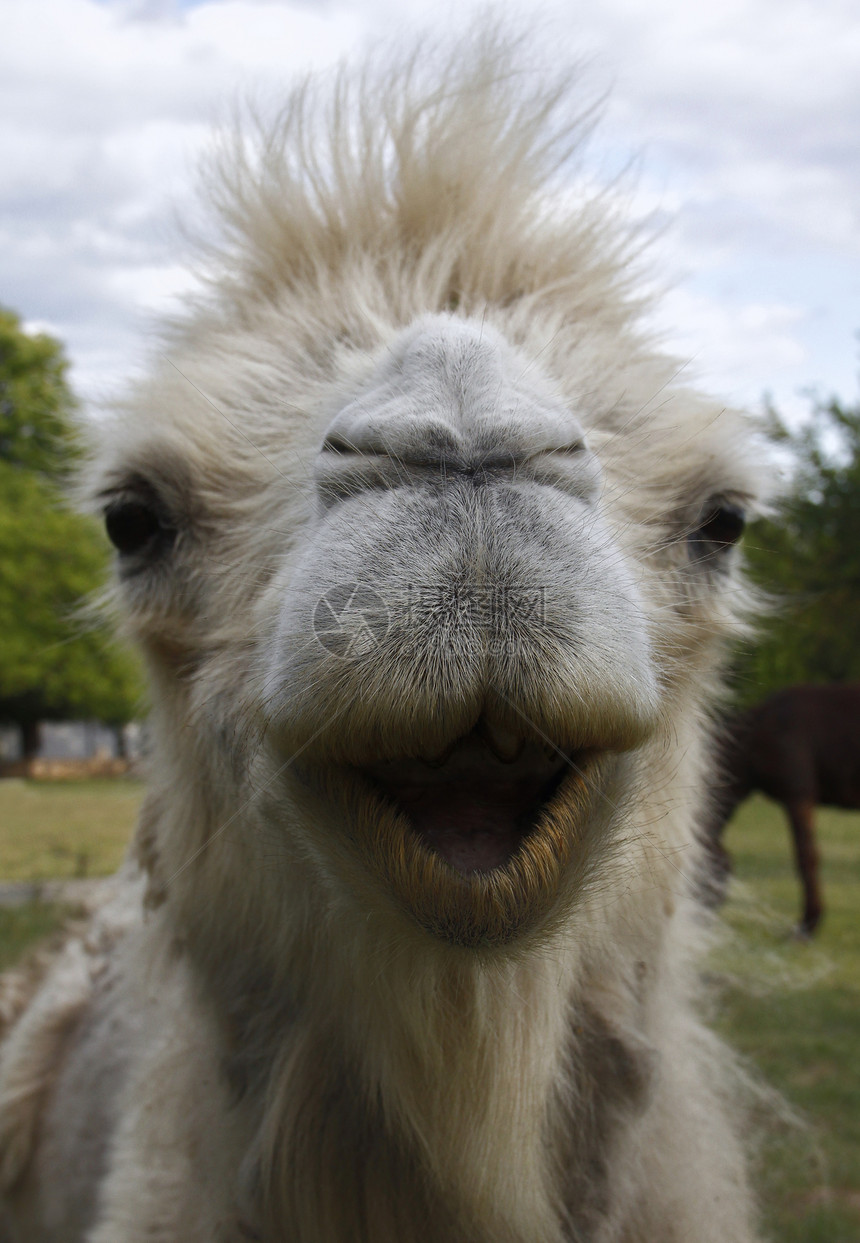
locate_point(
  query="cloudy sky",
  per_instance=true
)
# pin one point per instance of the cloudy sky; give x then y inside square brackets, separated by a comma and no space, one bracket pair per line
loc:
[740,120]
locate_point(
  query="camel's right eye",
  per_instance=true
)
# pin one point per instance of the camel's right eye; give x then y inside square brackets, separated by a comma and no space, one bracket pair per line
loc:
[720,527]
[136,526]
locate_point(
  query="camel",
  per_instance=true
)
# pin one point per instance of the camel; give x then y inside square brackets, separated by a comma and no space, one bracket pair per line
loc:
[800,747]
[431,558]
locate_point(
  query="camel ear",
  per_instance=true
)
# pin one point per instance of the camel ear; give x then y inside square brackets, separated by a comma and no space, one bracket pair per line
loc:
[720,527]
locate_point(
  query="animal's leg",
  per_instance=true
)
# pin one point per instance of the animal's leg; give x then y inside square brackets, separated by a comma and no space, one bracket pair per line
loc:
[801,816]
[717,871]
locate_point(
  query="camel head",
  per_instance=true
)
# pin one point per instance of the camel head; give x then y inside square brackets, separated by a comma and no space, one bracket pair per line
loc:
[430,586]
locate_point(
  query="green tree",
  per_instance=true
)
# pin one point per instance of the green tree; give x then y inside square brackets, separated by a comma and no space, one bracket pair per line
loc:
[35,399]
[807,557]
[53,663]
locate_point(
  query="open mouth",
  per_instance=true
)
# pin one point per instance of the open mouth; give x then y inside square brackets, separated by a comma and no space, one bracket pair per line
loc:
[475,804]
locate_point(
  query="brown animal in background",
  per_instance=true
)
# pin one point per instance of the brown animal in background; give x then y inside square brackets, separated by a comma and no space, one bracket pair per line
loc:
[800,747]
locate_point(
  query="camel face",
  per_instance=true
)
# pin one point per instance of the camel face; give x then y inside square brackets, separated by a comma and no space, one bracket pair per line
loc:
[460,652]
[428,606]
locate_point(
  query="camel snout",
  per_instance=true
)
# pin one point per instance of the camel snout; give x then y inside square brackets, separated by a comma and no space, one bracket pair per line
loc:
[452,401]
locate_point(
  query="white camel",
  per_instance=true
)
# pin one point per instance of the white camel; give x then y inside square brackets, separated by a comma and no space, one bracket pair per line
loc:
[431,562]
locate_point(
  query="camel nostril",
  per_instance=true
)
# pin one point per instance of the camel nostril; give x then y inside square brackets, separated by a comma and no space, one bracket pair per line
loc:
[338,444]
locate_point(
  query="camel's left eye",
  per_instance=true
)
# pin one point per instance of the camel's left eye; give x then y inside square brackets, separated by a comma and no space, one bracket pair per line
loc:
[136,527]
[721,526]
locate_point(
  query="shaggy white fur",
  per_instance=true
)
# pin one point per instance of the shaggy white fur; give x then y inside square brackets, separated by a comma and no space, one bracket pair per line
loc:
[431,560]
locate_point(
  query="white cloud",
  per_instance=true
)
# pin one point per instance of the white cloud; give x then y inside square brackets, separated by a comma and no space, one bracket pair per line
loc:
[726,345]
[746,115]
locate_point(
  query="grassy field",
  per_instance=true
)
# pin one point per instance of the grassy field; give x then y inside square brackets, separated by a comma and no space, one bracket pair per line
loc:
[24,926]
[51,829]
[792,1009]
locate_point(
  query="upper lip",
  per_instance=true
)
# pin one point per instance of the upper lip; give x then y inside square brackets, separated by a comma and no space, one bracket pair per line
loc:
[489,748]
[504,742]
[489,739]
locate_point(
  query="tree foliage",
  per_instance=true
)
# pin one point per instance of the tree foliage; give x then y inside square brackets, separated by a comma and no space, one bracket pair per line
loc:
[35,399]
[807,558]
[53,663]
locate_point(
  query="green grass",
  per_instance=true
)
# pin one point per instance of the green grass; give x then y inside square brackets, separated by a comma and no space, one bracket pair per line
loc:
[51,829]
[791,1008]
[21,927]
[56,830]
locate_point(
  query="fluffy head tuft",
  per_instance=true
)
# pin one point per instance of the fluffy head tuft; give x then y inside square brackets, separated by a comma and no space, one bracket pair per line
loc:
[446,160]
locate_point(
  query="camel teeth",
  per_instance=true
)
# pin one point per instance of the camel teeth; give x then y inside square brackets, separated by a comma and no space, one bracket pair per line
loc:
[504,743]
